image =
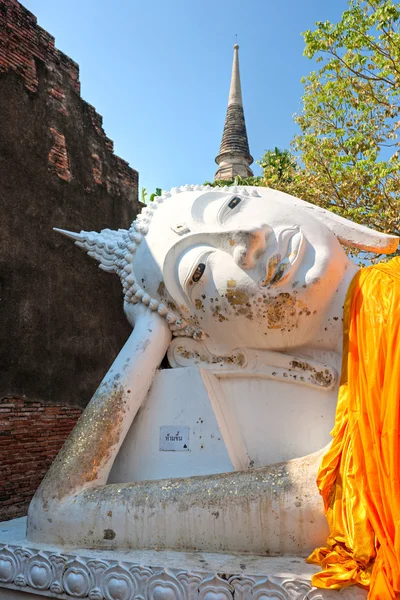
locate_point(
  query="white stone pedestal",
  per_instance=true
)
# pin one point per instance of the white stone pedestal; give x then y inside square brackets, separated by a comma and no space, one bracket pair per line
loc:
[32,571]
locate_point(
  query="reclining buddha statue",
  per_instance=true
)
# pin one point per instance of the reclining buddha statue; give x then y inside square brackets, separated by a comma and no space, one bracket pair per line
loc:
[208,429]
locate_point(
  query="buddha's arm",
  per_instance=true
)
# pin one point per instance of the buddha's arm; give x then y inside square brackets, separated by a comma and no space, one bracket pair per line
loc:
[277,507]
[87,456]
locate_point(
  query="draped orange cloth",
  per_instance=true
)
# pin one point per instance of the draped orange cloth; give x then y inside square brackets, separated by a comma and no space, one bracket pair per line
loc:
[359,478]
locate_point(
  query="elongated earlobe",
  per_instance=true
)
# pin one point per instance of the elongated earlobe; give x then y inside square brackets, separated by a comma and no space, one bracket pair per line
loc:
[355,235]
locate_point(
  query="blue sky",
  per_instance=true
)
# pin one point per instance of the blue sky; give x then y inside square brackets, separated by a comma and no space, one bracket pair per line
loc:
[158,72]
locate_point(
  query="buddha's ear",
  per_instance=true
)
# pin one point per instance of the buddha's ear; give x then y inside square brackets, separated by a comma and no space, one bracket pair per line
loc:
[353,234]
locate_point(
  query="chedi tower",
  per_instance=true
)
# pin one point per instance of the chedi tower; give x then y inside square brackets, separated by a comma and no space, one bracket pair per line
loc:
[234,158]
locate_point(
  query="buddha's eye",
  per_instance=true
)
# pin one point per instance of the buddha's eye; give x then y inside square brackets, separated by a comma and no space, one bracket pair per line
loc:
[234,202]
[197,275]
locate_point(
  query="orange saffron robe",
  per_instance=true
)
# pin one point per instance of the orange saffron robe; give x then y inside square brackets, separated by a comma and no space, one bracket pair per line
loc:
[359,478]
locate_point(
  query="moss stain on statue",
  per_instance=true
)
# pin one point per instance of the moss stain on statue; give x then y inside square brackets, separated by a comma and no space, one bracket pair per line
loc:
[90,444]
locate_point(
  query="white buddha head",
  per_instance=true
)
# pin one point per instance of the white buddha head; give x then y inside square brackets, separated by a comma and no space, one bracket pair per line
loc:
[238,267]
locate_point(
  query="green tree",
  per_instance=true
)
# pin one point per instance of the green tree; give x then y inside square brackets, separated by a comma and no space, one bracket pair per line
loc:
[279,166]
[257,181]
[282,172]
[348,142]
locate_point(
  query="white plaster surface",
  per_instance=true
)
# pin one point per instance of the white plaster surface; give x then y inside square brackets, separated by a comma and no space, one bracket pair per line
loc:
[260,429]
[177,398]
[278,422]
[32,571]
[14,533]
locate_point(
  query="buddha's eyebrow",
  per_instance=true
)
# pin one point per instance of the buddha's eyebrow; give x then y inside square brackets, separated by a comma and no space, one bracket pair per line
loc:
[203,201]
[226,208]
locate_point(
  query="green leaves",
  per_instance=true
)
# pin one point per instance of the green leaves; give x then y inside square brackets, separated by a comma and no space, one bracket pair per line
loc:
[145,198]
[348,141]
[254,181]
[279,168]
[158,192]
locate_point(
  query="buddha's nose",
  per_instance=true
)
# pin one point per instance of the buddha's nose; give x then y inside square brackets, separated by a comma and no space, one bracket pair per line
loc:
[250,245]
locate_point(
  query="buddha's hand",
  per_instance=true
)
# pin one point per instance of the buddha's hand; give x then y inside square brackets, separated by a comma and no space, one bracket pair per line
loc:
[134,312]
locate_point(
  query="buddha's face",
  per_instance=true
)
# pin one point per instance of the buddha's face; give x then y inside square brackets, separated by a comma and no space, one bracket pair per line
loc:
[250,271]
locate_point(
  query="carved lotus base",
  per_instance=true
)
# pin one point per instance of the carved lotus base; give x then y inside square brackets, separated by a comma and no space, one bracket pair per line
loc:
[31,571]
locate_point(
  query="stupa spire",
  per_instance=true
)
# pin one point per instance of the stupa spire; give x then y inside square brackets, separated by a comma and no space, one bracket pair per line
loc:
[234,157]
[235,92]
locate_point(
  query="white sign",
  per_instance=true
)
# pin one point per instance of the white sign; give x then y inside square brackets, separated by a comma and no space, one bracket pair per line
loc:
[174,439]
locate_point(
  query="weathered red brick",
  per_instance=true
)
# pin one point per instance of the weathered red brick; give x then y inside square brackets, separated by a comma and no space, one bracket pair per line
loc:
[35,433]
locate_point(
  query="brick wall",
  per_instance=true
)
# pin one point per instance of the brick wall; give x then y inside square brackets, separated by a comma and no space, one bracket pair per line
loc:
[24,47]
[61,317]
[31,434]
[25,41]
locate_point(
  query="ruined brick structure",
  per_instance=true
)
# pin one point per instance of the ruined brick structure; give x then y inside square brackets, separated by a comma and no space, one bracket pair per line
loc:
[31,434]
[61,318]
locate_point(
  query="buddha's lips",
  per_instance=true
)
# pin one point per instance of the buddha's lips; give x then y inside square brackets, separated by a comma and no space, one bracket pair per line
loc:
[280,263]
